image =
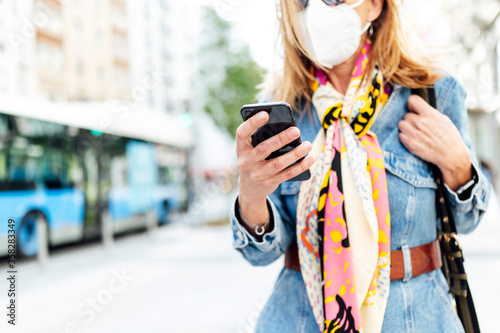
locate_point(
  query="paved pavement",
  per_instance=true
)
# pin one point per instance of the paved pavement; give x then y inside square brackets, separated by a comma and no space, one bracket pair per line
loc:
[180,279]
[482,263]
[185,279]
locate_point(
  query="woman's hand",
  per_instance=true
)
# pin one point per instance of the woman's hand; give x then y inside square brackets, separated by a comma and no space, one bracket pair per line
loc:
[258,177]
[432,136]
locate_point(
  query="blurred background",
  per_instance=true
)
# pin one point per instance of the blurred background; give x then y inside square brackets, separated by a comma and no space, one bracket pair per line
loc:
[118,166]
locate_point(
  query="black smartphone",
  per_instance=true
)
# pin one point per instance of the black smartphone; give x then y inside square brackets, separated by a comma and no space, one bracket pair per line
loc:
[280,118]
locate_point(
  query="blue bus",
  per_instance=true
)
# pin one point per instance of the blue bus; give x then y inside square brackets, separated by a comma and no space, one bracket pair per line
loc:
[58,164]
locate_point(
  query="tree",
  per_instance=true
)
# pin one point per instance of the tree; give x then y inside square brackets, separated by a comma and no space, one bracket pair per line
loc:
[228,74]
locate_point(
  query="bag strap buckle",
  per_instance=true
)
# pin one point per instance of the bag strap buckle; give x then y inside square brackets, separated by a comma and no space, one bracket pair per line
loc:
[446,236]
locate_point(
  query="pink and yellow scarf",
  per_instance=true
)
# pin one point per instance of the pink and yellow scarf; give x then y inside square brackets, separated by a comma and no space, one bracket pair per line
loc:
[343,220]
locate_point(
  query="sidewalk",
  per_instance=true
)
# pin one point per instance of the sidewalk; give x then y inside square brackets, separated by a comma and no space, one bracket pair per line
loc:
[180,279]
[482,263]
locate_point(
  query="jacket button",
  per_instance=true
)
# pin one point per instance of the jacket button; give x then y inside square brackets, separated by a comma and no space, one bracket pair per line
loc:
[239,234]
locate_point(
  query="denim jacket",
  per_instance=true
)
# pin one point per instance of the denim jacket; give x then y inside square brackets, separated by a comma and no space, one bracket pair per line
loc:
[419,304]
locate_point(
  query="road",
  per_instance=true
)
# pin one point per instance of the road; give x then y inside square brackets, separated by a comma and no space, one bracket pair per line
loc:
[180,279]
[185,279]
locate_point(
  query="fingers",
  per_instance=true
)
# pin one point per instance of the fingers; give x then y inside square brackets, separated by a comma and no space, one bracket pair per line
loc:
[412,118]
[407,142]
[415,145]
[413,137]
[408,127]
[278,164]
[416,130]
[296,170]
[418,105]
[249,127]
[264,149]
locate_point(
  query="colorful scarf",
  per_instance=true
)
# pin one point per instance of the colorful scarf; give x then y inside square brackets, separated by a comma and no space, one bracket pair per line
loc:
[343,221]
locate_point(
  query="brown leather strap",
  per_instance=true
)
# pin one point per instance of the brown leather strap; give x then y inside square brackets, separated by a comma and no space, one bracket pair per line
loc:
[424,259]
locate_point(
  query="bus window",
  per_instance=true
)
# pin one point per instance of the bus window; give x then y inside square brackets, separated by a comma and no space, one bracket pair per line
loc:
[53,168]
[4,126]
[119,171]
[75,172]
[3,170]
[3,165]
[32,128]
[164,177]
[20,171]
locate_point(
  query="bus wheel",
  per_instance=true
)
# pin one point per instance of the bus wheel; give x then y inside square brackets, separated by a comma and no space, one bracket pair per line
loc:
[27,237]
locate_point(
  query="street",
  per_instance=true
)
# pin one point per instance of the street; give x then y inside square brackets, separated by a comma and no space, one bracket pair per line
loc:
[185,279]
[181,279]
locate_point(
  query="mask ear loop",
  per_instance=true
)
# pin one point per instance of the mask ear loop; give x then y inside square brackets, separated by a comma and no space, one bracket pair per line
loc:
[367,26]
[354,5]
[370,31]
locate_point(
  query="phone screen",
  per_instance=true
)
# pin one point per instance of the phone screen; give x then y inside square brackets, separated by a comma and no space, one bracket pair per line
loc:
[280,119]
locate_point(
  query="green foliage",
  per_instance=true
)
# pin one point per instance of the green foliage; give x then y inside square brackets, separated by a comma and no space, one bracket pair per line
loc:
[228,74]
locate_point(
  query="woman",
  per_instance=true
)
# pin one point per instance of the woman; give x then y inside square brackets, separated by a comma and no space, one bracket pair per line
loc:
[359,236]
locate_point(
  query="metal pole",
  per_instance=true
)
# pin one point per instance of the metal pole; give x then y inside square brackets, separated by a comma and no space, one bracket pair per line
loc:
[107,231]
[151,222]
[43,242]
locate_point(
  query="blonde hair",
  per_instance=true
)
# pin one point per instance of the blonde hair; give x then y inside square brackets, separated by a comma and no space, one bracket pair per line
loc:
[394,56]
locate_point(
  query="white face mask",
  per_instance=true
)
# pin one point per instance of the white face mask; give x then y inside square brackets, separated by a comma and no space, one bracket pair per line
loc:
[331,33]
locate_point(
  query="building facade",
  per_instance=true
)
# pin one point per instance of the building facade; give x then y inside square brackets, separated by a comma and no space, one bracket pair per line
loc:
[96,50]
[17,48]
[138,51]
[163,41]
[65,50]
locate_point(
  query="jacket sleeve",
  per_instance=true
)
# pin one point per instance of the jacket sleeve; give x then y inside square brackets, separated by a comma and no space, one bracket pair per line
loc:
[467,212]
[274,243]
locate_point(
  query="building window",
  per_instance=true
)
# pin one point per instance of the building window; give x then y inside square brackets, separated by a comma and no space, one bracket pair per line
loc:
[497,63]
[78,32]
[99,40]
[121,77]
[57,58]
[119,17]
[80,67]
[120,48]
[98,6]
[53,15]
